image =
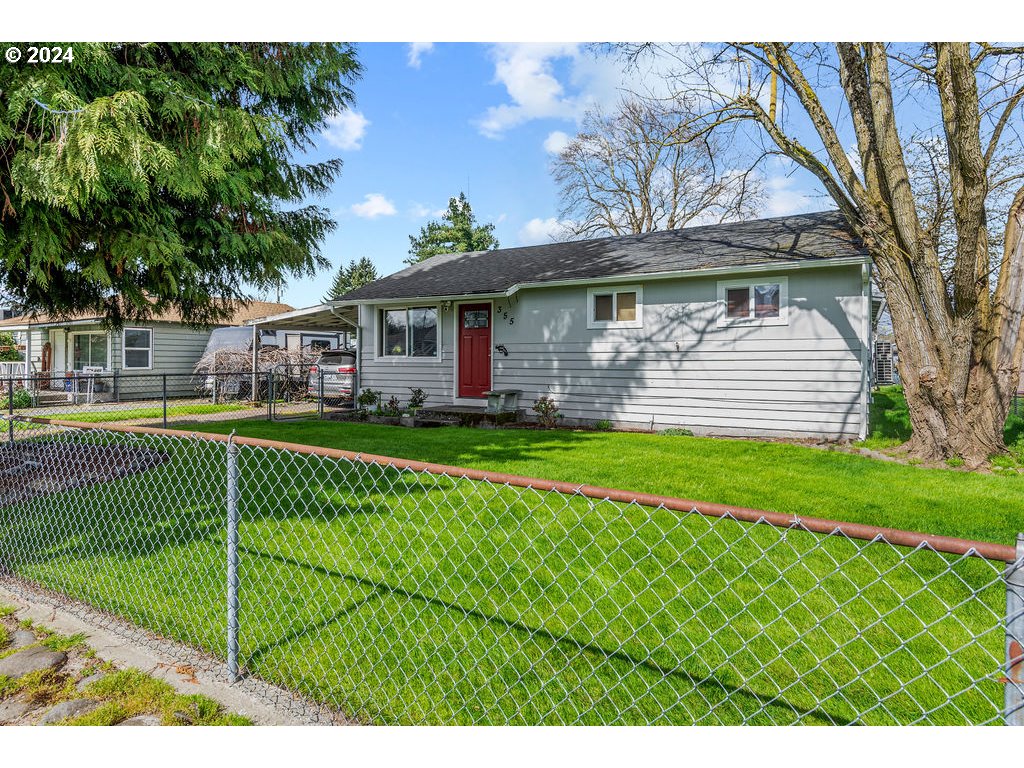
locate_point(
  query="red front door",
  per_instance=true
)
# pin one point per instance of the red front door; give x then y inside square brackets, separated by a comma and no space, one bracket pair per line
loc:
[474,349]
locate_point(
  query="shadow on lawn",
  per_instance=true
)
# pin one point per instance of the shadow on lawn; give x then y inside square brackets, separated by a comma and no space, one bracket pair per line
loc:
[382,589]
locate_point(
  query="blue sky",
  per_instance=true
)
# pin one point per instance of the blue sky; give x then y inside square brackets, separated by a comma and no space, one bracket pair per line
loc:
[435,119]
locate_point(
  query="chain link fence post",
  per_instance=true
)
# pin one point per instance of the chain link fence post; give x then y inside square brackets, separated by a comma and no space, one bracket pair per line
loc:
[232,510]
[10,409]
[165,399]
[270,395]
[1014,711]
[320,393]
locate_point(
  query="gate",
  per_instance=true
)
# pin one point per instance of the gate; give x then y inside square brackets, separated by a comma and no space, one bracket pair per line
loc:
[289,396]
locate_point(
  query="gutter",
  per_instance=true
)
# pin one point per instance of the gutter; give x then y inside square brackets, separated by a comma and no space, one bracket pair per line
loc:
[613,279]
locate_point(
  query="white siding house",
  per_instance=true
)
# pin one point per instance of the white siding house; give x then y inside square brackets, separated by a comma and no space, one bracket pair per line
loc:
[757,328]
[60,347]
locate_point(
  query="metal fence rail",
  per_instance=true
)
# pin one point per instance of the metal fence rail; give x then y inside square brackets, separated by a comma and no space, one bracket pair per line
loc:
[388,591]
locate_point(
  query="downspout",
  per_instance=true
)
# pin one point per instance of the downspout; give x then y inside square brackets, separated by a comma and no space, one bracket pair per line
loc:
[866,347]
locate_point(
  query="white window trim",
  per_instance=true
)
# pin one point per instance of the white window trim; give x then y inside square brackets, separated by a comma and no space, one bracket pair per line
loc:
[379,352]
[751,321]
[615,290]
[124,350]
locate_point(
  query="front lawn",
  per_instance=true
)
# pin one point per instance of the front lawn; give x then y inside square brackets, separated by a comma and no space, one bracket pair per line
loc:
[772,476]
[405,598]
[148,412]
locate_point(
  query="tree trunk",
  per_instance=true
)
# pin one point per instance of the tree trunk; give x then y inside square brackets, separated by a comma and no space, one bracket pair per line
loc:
[959,386]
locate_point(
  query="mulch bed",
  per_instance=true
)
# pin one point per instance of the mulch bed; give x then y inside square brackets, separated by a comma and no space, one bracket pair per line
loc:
[30,469]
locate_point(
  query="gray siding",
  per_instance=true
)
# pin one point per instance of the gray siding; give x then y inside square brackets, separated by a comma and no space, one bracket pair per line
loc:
[804,378]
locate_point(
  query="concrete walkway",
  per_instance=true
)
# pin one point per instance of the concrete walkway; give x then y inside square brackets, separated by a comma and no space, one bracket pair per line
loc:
[249,698]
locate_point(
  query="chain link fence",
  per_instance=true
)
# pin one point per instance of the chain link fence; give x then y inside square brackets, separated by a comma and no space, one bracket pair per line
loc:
[384,591]
[163,399]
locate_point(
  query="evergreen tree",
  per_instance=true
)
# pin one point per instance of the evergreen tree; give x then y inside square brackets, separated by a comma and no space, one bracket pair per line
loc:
[140,177]
[348,278]
[457,232]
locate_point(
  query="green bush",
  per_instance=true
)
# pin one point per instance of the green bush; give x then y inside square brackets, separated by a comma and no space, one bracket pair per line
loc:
[677,431]
[547,411]
[604,425]
[8,349]
[419,397]
[368,397]
[22,399]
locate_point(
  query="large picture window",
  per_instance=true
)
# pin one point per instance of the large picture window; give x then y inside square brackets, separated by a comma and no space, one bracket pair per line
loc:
[409,332]
[138,348]
[617,307]
[756,302]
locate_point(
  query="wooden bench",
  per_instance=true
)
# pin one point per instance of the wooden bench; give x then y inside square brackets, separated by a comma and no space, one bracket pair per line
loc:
[503,400]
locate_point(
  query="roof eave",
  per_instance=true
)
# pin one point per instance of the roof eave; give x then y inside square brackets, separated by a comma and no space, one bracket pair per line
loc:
[819,263]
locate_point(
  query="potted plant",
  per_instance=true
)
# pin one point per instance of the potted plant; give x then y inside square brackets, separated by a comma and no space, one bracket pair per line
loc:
[416,401]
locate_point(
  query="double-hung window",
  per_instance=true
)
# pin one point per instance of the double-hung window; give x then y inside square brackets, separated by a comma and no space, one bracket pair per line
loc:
[138,348]
[409,332]
[615,307]
[753,302]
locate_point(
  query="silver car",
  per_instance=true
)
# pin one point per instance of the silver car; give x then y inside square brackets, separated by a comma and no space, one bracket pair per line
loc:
[339,372]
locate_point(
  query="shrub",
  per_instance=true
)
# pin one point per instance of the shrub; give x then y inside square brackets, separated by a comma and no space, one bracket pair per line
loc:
[8,350]
[392,407]
[419,397]
[368,398]
[677,431]
[603,425]
[547,411]
[22,399]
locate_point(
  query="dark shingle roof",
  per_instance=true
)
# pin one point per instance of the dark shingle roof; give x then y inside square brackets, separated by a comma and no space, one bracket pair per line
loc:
[786,241]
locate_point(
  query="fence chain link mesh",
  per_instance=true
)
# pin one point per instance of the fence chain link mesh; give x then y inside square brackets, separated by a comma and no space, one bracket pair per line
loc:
[375,594]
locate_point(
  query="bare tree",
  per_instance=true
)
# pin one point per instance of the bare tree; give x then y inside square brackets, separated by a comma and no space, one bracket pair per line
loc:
[959,328]
[639,170]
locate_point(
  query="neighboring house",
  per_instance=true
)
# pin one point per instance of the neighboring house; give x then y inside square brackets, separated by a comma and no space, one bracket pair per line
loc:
[163,344]
[754,328]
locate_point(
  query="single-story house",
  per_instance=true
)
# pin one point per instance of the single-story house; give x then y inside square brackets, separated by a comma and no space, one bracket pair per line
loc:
[754,328]
[163,344]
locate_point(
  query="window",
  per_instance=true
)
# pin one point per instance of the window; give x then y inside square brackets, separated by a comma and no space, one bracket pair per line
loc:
[620,307]
[138,348]
[475,318]
[410,332]
[753,303]
[89,349]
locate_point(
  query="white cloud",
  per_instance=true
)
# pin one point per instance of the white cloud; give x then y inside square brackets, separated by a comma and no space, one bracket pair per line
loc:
[540,231]
[556,142]
[416,51]
[374,205]
[346,129]
[419,211]
[785,198]
[527,72]
[560,81]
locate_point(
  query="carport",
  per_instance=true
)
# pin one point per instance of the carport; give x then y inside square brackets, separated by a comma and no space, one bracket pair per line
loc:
[329,317]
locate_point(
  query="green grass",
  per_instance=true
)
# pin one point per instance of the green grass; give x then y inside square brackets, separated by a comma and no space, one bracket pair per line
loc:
[129,692]
[156,412]
[771,476]
[402,599]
